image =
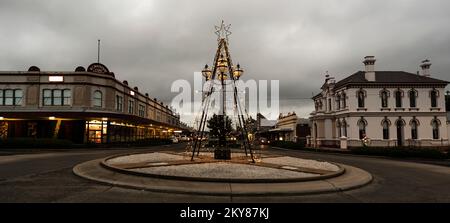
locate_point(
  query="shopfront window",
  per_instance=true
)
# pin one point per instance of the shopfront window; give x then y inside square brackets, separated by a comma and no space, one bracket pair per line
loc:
[3,130]
[96,131]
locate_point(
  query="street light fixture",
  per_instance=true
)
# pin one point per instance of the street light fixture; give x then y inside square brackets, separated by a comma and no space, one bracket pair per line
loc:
[238,72]
[207,73]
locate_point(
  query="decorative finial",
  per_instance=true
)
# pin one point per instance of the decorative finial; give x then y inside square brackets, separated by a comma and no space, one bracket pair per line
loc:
[223,31]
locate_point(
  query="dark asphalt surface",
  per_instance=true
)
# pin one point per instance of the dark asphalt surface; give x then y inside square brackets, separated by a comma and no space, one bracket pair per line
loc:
[46,176]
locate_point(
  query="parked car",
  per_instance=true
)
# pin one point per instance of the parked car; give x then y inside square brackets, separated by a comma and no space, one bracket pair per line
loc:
[184,138]
[264,141]
[174,139]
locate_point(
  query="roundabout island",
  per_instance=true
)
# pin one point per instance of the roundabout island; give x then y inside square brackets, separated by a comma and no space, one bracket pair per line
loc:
[175,172]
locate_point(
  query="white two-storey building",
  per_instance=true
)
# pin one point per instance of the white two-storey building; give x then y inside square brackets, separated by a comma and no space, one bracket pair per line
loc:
[391,108]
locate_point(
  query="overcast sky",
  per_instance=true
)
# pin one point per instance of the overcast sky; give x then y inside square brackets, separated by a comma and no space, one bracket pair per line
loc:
[153,43]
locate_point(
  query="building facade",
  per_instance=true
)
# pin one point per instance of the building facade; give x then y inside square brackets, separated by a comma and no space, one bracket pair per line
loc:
[286,128]
[86,105]
[263,125]
[389,108]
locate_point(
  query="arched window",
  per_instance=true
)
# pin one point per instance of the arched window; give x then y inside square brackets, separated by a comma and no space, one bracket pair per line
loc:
[338,125]
[361,98]
[315,130]
[400,123]
[398,99]
[344,128]
[414,125]
[329,105]
[385,123]
[338,102]
[344,101]
[435,127]
[412,98]
[433,96]
[362,124]
[384,98]
[98,98]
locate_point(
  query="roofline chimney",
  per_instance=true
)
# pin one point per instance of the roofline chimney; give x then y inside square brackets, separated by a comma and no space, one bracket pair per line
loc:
[369,64]
[425,65]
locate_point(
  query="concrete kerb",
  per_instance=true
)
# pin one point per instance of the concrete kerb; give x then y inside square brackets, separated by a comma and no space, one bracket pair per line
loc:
[353,178]
[105,164]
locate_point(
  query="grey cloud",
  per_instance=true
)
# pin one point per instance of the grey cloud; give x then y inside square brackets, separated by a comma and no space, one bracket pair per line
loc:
[153,43]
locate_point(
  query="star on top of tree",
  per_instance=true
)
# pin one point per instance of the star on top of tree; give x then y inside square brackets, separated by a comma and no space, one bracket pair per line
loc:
[223,31]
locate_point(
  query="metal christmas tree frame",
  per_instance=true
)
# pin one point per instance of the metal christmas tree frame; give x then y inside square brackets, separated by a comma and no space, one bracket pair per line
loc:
[222,69]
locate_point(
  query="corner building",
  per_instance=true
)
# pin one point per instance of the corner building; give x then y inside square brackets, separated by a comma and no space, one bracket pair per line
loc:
[391,108]
[84,106]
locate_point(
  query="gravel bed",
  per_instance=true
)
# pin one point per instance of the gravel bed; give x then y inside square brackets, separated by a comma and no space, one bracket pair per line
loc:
[147,157]
[233,154]
[298,162]
[224,170]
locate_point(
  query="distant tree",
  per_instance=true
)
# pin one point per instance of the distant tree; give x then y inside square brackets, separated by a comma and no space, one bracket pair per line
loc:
[217,126]
[250,125]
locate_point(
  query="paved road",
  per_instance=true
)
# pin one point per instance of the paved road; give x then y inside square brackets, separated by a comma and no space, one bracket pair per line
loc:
[47,177]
